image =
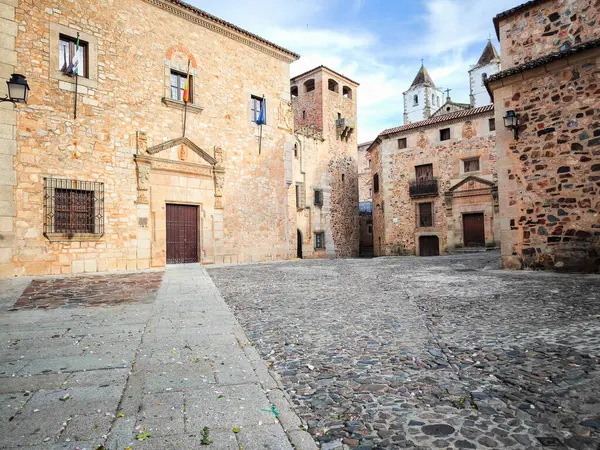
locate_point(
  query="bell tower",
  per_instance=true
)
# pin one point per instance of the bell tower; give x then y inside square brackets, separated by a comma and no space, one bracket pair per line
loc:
[422,99]
[488,64]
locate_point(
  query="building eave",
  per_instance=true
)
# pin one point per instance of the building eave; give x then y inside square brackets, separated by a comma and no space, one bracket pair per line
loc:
[322,67]
[437,120]
[512,11]
[201,17]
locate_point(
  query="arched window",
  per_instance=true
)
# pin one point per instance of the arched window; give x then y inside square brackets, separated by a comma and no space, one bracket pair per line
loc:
[416,100]
[309,85]
[333,85]
[347,92]
[296,150]
[294,91]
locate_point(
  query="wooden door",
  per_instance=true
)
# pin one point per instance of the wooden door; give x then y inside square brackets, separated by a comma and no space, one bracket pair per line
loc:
[182,234]
[474,230]
[429,246]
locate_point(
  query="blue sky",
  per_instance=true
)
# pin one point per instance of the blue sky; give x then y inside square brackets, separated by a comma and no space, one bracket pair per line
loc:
[378,43]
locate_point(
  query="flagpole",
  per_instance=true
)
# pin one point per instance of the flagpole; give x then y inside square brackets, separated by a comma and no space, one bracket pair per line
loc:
[262,105]
[76,82]
[75,109]
[186,97]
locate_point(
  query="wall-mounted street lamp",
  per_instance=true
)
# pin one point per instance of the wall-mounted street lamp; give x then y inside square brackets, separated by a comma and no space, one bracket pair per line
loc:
[18,89]
[511,121]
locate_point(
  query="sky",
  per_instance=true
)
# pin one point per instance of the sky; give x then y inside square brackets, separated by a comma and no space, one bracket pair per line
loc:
[377,43]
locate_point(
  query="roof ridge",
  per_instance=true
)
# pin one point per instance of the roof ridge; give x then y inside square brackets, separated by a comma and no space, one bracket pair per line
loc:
[422,78]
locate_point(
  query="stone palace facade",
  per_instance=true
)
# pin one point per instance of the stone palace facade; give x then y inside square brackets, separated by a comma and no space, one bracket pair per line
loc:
[123,185]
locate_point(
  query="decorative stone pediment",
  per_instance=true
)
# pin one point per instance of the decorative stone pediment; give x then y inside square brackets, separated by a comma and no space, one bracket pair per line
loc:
[180,156]
[472,183]
[472,186]
[180,153]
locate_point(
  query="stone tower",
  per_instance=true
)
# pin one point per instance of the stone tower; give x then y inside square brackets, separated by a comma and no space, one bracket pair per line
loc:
[422,99]
[325,163]
[488,64]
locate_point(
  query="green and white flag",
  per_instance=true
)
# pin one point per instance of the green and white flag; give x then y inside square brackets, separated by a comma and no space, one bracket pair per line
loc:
[73,68]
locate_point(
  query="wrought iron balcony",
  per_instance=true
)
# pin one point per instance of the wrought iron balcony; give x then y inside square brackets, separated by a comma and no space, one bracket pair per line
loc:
[423,188]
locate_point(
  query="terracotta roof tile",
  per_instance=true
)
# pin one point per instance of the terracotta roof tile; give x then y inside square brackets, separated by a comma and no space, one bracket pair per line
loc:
[438,119]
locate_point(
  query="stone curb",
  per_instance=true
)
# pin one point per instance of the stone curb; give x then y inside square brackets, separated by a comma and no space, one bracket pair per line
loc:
[270,383]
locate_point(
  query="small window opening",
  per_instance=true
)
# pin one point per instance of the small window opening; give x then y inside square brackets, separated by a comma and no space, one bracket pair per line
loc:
[471,165]
[178,82]
[303,115]
[444,134]
[309,85]
[492,124]
[333,86]
[416,100]
[402,143]
[320,240]
[342,178]
[347,92]
[294,91]
[71,60]
[295,150]
[425,215]
[318,197]
[256,103]
[376,182]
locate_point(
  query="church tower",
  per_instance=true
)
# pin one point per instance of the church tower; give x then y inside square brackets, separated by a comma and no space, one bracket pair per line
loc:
[488,64]
[422,99]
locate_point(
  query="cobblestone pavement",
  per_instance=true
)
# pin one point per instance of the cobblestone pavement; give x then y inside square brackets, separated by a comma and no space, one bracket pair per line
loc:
[92,290]
[427,352]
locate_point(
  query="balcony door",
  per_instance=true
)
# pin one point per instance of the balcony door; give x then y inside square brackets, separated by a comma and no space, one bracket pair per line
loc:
[424,173]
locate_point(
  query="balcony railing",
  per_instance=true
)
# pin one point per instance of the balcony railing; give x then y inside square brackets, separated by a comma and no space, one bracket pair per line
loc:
[423,188]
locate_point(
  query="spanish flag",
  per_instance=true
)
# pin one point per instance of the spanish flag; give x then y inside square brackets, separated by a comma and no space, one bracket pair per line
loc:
[186,89]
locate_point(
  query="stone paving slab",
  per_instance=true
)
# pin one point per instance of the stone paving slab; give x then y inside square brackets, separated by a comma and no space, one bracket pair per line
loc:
[427,352]
[167,364]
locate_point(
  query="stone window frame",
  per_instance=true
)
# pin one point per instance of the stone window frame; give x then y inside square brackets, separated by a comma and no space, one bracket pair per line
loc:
[51,184]
[442,134]
[491,121]
[309,85]
[294,91]
[333,86]
[181,67]
[474,154]
[300,196]
[318,197]
[91,80]
[467,160]
[418,214]
[269,109]
[402,143]
[321,239]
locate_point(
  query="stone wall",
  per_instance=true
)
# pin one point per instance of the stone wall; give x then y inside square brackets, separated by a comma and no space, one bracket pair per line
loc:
[8,145]
[133,46]
[550,176]
[396,213]
[365,183]
[545,28]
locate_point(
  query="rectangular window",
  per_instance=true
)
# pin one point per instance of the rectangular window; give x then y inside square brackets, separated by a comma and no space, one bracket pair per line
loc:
[376,182]
[318,197]
[70,59]
[72,206]
[303,115]
[424,173]
[255,107]
[369,164]
[492,124]
[402,143]
[425,215]
[471,165]
[320,240]
[370,192]
[178,80]
[444,134]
